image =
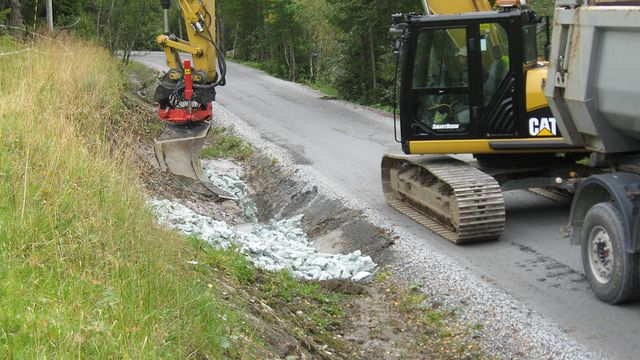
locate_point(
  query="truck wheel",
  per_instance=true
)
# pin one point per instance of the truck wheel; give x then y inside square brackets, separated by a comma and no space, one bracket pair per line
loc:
[612,272]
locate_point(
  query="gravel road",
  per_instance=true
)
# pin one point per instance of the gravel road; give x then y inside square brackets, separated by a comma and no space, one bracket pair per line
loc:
[527,288]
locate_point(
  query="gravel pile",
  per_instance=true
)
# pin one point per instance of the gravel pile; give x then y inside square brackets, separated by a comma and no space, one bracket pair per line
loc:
[227,178]
[276,246]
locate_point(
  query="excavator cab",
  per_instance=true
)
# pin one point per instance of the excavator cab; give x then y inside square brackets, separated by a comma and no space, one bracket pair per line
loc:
[471,83]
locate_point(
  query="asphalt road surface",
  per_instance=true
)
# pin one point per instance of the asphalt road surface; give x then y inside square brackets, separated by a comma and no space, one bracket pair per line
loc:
[531,261]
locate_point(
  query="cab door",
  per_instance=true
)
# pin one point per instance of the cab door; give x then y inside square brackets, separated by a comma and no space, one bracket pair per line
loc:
[498,81]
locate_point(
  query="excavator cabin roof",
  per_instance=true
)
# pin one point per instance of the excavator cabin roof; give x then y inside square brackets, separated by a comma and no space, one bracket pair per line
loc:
[472,16]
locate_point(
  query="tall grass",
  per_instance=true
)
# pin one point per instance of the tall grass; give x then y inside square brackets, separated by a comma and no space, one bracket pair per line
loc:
[84,273]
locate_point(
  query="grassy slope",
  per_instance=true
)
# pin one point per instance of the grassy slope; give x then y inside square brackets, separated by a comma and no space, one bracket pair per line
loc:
[83,270]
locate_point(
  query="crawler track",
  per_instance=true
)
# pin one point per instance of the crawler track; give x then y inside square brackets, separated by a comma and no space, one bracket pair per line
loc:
[448,196]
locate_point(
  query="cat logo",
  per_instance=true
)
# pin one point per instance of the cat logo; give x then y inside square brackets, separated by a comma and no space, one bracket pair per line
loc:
[543,127]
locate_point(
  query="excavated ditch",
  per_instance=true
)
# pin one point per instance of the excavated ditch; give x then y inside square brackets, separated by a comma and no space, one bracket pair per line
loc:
[283,185]
[275,241]
[332,226]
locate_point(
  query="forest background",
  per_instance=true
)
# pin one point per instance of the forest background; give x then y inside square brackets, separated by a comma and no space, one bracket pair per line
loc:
[340,47]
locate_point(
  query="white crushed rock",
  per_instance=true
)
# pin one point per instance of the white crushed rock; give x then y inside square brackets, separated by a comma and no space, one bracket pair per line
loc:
[276,246]
[226,175]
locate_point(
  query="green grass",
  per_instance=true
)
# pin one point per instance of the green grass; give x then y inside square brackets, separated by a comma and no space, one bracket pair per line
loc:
[7,44]
[145,76]
[84,272]
[439,329]
[224,144]
[543,7]
[252,64]
[324,88]
[387,108]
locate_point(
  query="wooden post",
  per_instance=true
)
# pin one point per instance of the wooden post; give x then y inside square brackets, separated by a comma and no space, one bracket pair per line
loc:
[50,14]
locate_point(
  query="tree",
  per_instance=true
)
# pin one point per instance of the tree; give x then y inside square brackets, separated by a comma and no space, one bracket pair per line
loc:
[16,21]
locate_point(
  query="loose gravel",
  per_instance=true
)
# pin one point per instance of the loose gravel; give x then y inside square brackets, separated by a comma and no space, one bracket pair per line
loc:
[510,328]
[278,245]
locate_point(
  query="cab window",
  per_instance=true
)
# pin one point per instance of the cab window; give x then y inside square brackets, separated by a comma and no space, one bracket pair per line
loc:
[494,52]
[441,80]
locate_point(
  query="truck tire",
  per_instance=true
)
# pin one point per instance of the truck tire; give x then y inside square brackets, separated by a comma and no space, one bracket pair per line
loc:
[613,273]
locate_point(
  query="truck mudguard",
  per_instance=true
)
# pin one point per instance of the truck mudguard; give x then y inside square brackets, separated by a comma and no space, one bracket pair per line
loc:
[621,189]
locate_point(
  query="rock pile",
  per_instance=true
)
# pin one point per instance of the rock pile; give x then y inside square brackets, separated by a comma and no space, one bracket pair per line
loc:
[225,175]
[275,246]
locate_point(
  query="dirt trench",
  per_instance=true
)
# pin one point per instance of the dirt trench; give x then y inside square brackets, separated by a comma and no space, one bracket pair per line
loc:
[332,226]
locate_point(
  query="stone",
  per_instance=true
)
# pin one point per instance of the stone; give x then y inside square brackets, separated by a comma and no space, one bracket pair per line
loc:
[361,276]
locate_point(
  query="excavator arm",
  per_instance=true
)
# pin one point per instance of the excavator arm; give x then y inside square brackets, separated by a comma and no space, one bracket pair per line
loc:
[186,93]
[442,7]
[201,31]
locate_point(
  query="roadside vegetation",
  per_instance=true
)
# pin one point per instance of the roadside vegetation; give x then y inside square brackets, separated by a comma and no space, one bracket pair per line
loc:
[339,47]
[83,270]
[223,143]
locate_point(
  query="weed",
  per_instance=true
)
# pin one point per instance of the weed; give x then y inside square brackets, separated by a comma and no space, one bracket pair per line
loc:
[323,87]
[383,275]
[224,144]
[436,326]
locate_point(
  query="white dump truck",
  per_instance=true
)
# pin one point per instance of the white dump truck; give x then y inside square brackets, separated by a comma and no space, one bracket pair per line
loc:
[593,89]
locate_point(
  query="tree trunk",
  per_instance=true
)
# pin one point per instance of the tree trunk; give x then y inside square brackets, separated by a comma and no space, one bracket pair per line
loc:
[363,67]
[294,73]
[15,19]
[49,7]
[373,62]
[98,18]
[108,25]
[221,39]
[35,14]
[319,67]
[311,65]
[286,55]
[127,52]
[235,41]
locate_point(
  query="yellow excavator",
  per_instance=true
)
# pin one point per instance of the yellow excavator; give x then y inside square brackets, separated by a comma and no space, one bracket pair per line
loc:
[185,95]
[471,82]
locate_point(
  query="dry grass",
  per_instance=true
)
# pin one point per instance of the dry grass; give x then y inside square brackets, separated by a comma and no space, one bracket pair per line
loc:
[83,271]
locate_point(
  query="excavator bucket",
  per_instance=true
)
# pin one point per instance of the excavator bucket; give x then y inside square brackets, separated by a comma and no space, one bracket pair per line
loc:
[177,150]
